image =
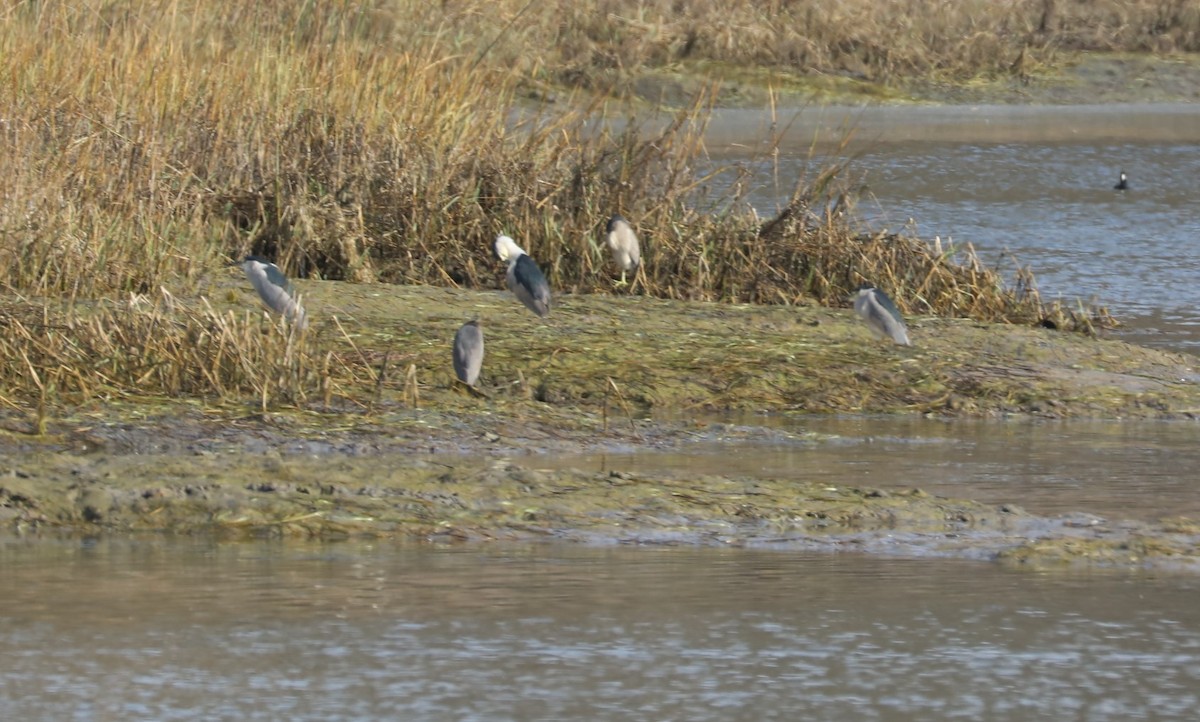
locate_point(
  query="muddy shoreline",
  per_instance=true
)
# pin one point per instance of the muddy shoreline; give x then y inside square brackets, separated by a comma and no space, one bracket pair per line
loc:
[594,376]
[332,497]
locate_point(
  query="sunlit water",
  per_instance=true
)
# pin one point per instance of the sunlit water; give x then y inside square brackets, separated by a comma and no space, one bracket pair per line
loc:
[183,630]
[1054,207]
[1034,184]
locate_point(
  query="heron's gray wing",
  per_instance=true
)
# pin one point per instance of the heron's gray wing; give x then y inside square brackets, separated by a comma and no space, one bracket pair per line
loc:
[885,301]
[881,315]
[530,285]
[275,290]
[887,318]
[276,277]
[468,353]
[276,297]
[263,276]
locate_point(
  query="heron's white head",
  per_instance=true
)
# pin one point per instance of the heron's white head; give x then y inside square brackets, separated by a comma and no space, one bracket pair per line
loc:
[507,249]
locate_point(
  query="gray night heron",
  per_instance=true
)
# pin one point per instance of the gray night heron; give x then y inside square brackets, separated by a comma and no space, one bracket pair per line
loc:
[274,289]
[525,279]
[623,242]
[468,352]
[881,314]
[1122,183]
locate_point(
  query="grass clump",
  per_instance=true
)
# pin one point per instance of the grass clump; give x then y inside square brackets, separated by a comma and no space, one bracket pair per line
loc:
[161,347]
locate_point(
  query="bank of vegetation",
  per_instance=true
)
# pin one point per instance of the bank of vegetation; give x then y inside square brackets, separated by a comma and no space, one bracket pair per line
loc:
[147,144]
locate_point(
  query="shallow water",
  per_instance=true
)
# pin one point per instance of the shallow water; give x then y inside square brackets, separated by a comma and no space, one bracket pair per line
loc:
[1114,469]
[151,629]
[1034,184]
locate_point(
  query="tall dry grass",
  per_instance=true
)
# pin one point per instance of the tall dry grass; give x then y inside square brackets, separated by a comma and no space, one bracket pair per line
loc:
[377,141]
[154,345]
[603,43]
[200,131]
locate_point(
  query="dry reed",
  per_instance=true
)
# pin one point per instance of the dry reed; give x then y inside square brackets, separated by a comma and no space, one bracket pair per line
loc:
[156,347]
[376,142]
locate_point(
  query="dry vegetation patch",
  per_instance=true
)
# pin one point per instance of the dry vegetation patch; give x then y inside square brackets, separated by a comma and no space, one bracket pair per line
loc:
[377,142]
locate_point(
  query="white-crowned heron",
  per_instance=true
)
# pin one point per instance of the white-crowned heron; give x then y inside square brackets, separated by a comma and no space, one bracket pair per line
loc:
[623,242]
[881,314]
[1122,183]
[468,352]
[274,289]
[525,279]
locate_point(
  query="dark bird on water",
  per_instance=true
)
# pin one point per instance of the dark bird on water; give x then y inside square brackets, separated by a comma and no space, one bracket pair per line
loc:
[1122,184]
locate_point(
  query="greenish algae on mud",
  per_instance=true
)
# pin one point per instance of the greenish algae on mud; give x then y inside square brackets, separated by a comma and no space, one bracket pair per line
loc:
[238,495]
[632,354]
[585,378]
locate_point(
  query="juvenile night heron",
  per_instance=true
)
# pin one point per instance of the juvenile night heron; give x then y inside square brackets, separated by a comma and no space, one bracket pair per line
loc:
[623,242]
[1122,183]
[881,314]
[524,277]
[468,352]
[274,289]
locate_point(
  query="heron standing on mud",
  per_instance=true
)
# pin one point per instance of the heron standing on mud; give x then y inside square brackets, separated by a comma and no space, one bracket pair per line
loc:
[877,309]
[524,277]
[468,352]
[623,243]
[274,289]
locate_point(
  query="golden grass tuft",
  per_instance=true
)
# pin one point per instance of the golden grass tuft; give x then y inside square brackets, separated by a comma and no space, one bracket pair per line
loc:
[158,347]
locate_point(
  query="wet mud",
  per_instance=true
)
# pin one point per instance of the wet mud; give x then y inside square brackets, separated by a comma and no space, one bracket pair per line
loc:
[444,465]
[268,495]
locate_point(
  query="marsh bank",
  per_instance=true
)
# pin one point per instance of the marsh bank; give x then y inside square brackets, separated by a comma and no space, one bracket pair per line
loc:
[590,377]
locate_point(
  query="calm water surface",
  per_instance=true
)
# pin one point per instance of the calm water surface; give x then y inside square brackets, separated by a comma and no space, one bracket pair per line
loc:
[162,630]
[1034,184]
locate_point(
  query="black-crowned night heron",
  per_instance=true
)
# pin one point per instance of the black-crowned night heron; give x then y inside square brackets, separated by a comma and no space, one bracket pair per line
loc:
[881,314]
[1122,183]
[623,242]
[525,279]
[468,352]
[274,289]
